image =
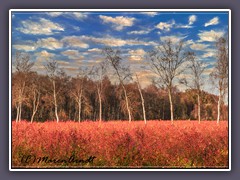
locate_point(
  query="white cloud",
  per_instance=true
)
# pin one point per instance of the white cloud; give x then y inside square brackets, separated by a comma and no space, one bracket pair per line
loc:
[183,26]
[118,22]
[62,63]
[49,43]
[136,55]
[24,47]
[165,26]
[208,54]
[54,14]
[210,36]
[145,77]
[152,14]
[94,50]
[43,26]
[208,71]
[72,54]
[213,21]
[44,54]
[137,42]
[140,32]
[108,41]
[198,46]
[76,28]
[174,39]
[74,41]
[76,15]
[115,42]
[192,19]
[189,42]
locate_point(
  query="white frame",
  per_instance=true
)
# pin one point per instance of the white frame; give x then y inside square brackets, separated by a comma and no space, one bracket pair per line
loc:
[115,10]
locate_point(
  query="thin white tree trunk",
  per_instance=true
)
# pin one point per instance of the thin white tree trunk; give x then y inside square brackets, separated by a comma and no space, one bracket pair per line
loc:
[126,97]
[100,105]
[17,118]
[219,106]
[20,103]
[79,110]
[55,101]
[171,104]
[32,117]
[143,108]
[20,112]
[100,111]
[35,105]
[142,99]
[199,109]
[127,104]
[79,106]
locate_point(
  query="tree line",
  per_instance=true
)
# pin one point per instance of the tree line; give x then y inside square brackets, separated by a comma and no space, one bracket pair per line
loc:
[91,95]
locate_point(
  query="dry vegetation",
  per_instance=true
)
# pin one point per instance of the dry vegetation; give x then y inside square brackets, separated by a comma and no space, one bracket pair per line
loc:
[185,144]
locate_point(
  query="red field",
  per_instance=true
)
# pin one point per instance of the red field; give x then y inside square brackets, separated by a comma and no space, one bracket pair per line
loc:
[186,144]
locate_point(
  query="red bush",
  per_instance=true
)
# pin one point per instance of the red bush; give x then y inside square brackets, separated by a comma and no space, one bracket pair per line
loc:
[186,144]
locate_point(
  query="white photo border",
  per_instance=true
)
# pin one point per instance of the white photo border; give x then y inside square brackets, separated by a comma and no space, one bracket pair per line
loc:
[117,10]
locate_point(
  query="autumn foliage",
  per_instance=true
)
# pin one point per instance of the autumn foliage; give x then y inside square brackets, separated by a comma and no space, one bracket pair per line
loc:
[185,144]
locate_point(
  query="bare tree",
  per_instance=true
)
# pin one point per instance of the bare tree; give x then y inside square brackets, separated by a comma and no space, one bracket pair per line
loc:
[52,70]
[23,66]
[197,68]
[98,73]
[78,88]
[142,99]
[166,61]
[122,72]
[34,93]
[36,100]
[220,73]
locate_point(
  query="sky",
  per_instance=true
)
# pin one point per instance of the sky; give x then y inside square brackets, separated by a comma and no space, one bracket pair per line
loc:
[75,39]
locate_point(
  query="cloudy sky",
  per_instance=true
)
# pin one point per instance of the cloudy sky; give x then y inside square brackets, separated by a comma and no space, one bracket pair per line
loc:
[75,39]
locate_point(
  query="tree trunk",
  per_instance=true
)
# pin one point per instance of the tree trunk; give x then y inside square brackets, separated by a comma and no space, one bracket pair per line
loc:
[32,117]
[79,106]
[17,113]
[35,105]
[142,99]
[199,109]
[34,101]
[125,94]
[79,110]
[56,113]
[20,112]
[143,108]
[171,104]
[20,103]
[100,105]
[127,104]
[55,101]
[219,106]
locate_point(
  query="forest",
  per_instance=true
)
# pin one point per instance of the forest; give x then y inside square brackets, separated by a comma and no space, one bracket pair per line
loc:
[92,95]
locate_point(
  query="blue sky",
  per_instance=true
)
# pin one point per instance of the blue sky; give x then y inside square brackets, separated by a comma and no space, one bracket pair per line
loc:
[75,39]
